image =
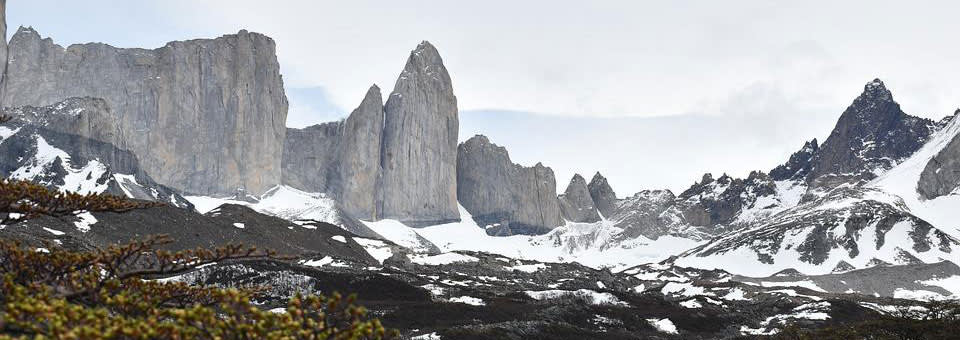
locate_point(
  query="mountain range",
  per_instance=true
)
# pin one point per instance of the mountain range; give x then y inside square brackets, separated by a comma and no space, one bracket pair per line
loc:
[455,240]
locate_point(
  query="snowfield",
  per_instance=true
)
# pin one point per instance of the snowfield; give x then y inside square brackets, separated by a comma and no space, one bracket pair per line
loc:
[943,212]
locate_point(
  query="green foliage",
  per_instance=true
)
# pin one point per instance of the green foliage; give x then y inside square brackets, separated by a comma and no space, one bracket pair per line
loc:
[103,295]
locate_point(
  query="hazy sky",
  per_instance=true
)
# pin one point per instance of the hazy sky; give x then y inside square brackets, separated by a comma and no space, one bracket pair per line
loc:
[735,85]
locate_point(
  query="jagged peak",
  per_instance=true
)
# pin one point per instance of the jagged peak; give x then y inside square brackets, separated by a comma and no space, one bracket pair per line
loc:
[478,138]
[757,175]
[577,179]
[706,179]
[27,31]
[425,54]
[875,90]
[373,94]
[597,177]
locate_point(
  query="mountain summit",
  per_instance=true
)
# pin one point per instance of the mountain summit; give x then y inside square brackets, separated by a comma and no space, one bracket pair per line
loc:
[870,137]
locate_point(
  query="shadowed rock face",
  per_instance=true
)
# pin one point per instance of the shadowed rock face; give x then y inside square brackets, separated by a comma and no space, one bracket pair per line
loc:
[341,158]
[515,199]
[3,46]
[870,137]
[941,176]
[218,101]
[603,195]
[576,203]
[418,157]
[799,164]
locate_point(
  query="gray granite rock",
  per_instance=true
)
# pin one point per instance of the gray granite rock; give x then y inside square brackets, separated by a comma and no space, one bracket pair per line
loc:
[359,165]
[603,195]
[3,46]
[340,158]
[576,205]
[941,176]
[206,116]
[311,156]
[81,164]
[418,159]
[510,198]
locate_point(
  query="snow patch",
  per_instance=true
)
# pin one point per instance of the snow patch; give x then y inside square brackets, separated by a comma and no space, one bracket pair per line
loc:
[663,325]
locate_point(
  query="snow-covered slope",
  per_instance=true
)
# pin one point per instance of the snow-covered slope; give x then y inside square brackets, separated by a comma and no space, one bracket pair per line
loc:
[708,208]
[586,243]
[290,204]
[902,180]
[850,227]
[73,163]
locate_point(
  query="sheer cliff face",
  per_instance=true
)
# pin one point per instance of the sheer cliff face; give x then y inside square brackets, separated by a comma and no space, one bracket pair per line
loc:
[204,116]
[340,158]
[418,157]
[359,165]
[497,192]
[3,45]
[394,161]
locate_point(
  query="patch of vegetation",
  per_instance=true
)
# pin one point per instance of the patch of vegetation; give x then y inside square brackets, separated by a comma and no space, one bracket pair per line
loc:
[933,320]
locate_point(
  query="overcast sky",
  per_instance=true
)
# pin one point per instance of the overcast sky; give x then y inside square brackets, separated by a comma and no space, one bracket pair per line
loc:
[733,85]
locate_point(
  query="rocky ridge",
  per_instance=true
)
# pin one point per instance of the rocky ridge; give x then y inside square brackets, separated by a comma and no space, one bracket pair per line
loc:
[220,100]
[576,203]
[507,198]
[41,144]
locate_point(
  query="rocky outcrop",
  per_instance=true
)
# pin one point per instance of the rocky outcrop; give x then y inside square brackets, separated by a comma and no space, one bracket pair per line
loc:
[205,116]
[799,164]
[576,205]
[340,158]
[509,198]
[89,117]
[871,136]
[647,213]
[941,176]
[603,195]
[45,145]
[418,157]
[719,202]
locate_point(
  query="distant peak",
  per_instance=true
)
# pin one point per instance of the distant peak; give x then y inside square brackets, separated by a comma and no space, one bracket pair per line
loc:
[425,45]
[478,139]
[876,90]
[425,50]
[577,178]
[373,92]
[597,177]
[707,178]
[28,30]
